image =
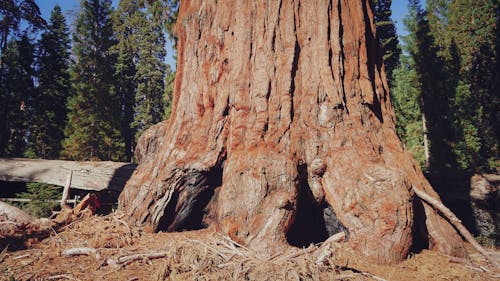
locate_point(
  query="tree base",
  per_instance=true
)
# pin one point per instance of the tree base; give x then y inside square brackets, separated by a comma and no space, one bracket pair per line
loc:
[280,105]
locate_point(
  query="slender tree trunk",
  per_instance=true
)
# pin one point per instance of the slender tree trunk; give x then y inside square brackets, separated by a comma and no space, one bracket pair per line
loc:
[280,106]
[426,141]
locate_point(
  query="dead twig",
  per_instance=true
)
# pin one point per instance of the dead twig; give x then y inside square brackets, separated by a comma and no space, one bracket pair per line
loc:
[456,222]
[82,251]
[323,250]
[336,238]
[124,223]
[61,276]
[126,260]
[4,253]
[21,257]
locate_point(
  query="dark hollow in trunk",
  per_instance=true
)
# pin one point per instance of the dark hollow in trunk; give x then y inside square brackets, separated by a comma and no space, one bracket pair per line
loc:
[288,101]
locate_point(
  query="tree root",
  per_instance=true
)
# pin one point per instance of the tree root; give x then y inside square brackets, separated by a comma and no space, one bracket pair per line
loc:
[447,213]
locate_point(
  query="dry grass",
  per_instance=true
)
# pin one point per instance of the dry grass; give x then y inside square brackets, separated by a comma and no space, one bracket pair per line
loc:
[123,252]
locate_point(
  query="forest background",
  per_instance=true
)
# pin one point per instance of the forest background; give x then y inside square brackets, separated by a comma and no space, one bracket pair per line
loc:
[83,81]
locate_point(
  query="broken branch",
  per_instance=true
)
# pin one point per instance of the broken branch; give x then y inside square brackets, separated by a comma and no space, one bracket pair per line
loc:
[65,194]
[125,260]
[83,251]
[455,222]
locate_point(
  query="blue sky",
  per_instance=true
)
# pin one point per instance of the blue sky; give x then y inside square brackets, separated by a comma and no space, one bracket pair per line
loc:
[70,9]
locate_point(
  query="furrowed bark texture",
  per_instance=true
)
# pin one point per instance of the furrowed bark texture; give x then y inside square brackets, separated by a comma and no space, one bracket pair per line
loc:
[277,97]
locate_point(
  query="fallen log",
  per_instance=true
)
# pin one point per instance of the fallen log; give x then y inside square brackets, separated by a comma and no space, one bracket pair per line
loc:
[86,175]
[18,229]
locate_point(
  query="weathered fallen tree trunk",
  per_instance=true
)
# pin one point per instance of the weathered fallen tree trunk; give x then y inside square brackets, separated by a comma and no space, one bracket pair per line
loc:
[88,175]
[18,229]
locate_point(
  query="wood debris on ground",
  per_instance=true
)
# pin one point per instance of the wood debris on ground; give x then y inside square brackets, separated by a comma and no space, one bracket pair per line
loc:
[107,248]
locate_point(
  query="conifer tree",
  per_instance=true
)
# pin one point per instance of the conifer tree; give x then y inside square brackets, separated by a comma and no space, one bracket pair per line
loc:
[453,50]
[169,91]
[94,118]
[47,115]
[386,36]
[472,33]
[48,107]
[406,99]
[125,24]
[437,89]
[149,97]
[142,73]
[406,93]
[19,72]
[14,14]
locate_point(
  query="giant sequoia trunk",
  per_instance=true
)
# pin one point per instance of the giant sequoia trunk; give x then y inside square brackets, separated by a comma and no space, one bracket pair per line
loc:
[282,132]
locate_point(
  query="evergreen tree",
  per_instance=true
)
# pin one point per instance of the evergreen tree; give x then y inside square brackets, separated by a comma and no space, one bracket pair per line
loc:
[472,33]
[437,89]
[48,108]
[165,12]
[407,100]
[386,36]
[169,91]
[19,73]
[451,46]
[94,118]
[142,72]
[149,97]
[126,21]
[406,93]
[12,14]
[41,196]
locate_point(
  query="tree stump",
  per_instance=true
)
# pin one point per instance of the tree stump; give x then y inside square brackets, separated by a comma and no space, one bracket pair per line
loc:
[282,108]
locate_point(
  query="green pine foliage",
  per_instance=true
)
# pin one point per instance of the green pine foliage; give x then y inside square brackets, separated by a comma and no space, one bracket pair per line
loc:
[406,98]
[149,97]
[93,128]
[146,89]
[406,92]
[169,91]
[13,14]
[171,10]
[48,107]
[437,89]
[41,196]
[47,115]
[19,87]
[472,30]
[452,71]
[126,20]
[386,36]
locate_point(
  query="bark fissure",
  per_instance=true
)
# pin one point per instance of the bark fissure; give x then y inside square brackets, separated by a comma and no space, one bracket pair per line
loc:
[341,57]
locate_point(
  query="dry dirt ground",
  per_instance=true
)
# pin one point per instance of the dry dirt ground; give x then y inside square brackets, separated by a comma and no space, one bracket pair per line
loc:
[112,250]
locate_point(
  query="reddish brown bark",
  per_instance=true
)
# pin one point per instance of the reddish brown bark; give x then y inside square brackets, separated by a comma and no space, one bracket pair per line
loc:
[283,99]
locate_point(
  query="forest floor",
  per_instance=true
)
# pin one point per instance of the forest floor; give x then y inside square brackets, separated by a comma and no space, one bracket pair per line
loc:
[110,249]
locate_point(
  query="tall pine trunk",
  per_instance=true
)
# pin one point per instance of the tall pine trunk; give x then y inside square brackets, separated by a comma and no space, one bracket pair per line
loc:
[281,117]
